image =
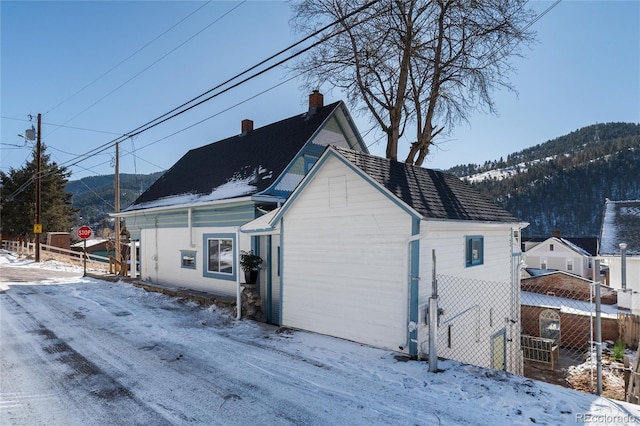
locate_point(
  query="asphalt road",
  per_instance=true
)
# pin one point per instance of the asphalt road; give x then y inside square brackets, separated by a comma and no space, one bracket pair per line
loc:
[87,352]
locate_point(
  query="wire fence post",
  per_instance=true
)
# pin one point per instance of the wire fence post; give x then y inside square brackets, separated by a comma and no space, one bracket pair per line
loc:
[433,319]
[598,329]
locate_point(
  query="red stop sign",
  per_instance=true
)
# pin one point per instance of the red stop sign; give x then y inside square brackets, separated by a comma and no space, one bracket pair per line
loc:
[84,232]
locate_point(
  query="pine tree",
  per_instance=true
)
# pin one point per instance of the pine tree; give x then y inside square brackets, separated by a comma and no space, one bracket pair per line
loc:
[17,212]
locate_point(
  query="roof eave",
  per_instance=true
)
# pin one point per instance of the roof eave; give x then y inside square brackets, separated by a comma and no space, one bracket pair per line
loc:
[163,209]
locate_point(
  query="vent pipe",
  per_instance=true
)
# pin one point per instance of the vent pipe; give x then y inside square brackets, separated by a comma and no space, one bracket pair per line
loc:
[623,265]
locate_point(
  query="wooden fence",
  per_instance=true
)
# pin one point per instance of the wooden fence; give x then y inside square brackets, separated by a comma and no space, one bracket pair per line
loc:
[629,329]
[19,247]
[94,262]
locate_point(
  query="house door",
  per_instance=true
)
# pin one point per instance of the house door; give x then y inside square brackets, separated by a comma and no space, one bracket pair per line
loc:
[499,350]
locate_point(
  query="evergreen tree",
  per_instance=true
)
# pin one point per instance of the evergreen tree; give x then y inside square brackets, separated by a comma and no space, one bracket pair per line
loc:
[18,199]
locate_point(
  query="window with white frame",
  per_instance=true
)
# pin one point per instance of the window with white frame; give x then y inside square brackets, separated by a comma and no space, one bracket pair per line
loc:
[569,264]
[543,263]
[219,256]
[550,325]
[474,250]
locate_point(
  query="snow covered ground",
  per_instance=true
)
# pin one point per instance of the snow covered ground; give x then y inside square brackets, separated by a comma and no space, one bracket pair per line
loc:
[80,351]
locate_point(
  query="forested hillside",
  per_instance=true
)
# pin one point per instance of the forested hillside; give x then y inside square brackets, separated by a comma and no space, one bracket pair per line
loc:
[563,183]
[94,196]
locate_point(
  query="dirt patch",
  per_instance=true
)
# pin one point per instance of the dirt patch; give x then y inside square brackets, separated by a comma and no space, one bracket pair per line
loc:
[580,376]
[583,379]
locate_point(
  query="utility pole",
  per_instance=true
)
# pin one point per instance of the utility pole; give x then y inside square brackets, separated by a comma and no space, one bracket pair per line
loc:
[37,227]
[117,203]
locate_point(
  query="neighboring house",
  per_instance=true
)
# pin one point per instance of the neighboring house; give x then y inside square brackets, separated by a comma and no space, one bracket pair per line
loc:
[356,241]
[97,246]
[558,305]
[187,222]
[563,284]
[621,225]
[59,239]
[569,322]
[560,254]
[101,247]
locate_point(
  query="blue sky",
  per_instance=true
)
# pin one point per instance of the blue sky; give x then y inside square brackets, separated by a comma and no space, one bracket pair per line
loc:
[96,70]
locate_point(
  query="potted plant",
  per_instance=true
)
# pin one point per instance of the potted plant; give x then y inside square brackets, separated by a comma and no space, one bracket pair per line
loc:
[250,264]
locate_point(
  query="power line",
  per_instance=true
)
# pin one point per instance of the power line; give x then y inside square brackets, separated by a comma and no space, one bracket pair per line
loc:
[153,63]
[126,59]
[4,117]
[184,108]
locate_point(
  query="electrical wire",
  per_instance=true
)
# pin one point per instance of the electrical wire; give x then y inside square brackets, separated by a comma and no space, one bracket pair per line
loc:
[4,117]
[152,64]
[125,59]
[172,113]
[167,116]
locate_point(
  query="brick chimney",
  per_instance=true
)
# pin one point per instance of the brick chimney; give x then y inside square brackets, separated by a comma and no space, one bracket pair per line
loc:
[247,125]
[316,100]
[556,233]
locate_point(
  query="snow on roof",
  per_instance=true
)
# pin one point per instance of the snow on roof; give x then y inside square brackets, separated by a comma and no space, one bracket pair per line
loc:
[90,242]
[567,306]
[620,224]
[575,247]
[235,187]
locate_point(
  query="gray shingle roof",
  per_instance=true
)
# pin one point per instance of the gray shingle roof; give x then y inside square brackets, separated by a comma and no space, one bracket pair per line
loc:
[620,224]
[434,194]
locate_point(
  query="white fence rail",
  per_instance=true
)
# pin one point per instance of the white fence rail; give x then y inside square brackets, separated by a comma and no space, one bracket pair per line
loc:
[47,252]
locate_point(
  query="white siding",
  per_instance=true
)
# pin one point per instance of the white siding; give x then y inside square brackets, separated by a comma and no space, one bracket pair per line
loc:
[160,259]
[558,258]
[631,299]
[478,301]
[345,263]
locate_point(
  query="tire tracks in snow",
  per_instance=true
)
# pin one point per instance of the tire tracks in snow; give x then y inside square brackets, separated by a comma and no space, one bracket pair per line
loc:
[91,391]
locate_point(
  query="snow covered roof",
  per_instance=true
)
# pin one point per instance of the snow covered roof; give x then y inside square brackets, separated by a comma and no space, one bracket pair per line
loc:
[569,306]
[238,166]
[620,224]
[90,242]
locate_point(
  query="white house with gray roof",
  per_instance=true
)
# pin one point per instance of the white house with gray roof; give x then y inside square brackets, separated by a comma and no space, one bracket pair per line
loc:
[187,222]
[560,254]
[355,260]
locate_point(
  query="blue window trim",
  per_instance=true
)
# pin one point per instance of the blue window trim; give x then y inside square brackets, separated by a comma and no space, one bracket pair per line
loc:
[468,250]
[188,253]
[205,260]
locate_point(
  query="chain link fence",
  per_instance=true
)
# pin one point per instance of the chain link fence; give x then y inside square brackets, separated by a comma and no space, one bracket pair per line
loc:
[478,323]
[544,327]
[562,308]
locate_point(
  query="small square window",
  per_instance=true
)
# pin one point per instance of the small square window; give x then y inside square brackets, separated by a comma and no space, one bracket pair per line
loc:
[188,259]
[474,250]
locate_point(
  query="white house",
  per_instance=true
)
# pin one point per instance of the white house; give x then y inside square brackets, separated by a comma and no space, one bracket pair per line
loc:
[355,260]
[560,254]
[620,235]
[187,222]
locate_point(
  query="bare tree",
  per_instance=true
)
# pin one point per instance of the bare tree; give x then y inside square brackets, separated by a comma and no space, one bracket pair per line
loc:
[415,63]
